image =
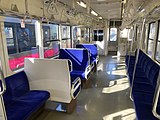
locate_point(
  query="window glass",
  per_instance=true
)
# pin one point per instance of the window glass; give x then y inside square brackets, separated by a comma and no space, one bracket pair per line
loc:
[158,51]
[50,40]
[11,45]
[152,33]
[65,32]
[66,37]
[86,35]
[21,43]
[158,45]
[98,35]
[150,47]
[76,32]
[152,30]
[130,34]
[113,34]
[124,33]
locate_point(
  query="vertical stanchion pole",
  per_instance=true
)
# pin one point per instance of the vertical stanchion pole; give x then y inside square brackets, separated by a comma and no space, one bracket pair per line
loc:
[131,47]
[3,89]
[136,61]
[156,97]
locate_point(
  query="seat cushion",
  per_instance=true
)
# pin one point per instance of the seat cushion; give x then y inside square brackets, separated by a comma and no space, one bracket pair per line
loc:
[144,111]
[23,107]
[145,88]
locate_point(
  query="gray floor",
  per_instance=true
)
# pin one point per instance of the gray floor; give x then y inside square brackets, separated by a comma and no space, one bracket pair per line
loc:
[107,97]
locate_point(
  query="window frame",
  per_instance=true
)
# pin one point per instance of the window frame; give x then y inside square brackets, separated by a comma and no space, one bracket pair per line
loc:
[51,40]
[157,41]
[150,39]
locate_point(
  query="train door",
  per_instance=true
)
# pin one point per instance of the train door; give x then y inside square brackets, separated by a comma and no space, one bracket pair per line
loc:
[113,40]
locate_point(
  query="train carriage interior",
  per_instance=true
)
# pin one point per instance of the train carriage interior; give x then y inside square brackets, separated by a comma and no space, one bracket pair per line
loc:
[79,59]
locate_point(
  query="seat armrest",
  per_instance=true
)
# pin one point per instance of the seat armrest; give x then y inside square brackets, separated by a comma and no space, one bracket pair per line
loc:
[88,70]
[75,85]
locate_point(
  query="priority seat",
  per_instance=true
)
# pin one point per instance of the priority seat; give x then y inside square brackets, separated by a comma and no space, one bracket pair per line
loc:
[21,102]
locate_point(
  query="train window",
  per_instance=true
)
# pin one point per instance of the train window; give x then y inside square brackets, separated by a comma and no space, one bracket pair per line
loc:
[158,46]
[124,33]
[21,43]
[86,35]
[66,37]
[98,35]
[152,32]
[50,40]
[10,39]
[75,35]
[113,34]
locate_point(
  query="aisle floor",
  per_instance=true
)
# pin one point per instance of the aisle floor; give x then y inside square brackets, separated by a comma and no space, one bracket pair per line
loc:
[107,97]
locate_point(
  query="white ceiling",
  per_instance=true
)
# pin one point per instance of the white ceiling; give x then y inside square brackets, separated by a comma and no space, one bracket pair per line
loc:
[108,9]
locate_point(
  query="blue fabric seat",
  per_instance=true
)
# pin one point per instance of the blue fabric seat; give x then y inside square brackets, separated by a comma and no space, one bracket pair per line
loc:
[144,111]
[21,102]
[131,60]
[80,61]
[145,82]
[93,51]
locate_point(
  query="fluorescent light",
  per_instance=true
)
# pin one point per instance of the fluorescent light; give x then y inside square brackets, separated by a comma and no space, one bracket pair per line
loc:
[143,10]
[100,18]
[94,13]
[82,4]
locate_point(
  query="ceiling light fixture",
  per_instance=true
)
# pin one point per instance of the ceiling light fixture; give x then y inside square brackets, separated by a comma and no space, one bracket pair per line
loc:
[94,13]
[100,18]
[82,4]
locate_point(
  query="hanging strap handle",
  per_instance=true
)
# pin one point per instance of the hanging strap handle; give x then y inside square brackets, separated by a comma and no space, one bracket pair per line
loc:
[52,8]
[27,17]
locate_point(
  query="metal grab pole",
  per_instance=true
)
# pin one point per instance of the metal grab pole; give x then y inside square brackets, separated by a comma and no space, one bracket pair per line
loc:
[156,98]
[3,89]
[3,80]
[137,56]
[131,49]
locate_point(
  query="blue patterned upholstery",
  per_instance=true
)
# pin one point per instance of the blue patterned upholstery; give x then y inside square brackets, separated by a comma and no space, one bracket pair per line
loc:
[80,61]
[20,102]
[145,81]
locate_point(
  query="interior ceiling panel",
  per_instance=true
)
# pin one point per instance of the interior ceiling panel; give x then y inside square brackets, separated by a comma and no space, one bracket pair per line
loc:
[108,9]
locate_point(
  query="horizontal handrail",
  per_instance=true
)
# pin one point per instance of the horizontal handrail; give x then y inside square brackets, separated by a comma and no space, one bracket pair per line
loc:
[156,98]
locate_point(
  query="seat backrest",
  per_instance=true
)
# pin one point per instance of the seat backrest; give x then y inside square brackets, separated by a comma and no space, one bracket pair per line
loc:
[16,86]
[91,47]
[79,57]
[153,74]
[50,74]
[142,57]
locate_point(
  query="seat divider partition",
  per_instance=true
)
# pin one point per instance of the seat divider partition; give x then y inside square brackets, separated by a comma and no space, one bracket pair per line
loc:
[136,61]
[156,98]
